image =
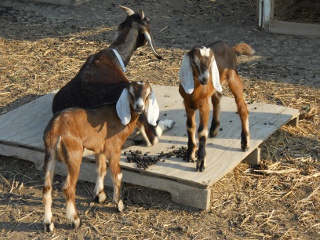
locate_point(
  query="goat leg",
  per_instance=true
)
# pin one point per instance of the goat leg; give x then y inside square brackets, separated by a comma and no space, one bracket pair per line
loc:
[50,164]
[215,124]
[99,193]
[69,188]
[204,111]
[236,87]
[116,174]
[147,130]
[191,130]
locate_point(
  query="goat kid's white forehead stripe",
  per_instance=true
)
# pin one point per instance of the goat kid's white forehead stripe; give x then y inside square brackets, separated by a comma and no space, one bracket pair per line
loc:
[205,52]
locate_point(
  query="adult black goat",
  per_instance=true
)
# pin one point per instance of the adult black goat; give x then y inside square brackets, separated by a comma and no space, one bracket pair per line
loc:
[101,79]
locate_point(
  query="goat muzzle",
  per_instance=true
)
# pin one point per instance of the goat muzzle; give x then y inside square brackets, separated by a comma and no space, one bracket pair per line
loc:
[139,108]
[204,77]
[204,81]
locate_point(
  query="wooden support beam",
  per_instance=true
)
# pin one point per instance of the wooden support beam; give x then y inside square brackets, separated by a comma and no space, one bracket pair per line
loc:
[254,157]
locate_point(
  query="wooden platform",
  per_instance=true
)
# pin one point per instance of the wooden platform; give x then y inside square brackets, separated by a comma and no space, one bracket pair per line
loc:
[21,132]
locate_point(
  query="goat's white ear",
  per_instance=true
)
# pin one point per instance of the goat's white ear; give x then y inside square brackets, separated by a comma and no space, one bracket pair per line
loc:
[215,75]
[186,74]
[153,110]
[123,107]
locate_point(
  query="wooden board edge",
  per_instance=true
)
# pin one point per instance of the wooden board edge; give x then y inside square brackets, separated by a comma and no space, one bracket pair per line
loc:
[294,28]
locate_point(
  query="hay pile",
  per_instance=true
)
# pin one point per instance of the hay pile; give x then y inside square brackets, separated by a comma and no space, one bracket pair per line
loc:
[280,199]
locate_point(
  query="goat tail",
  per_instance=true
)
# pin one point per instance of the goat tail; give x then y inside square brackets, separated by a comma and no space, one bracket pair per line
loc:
[243,49]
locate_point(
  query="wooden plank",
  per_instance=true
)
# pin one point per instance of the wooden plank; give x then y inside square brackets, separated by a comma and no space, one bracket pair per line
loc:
[183,194]
[21,132]
[294,28]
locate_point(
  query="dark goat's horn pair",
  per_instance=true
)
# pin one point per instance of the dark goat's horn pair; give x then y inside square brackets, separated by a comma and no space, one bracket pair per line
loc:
[147,35]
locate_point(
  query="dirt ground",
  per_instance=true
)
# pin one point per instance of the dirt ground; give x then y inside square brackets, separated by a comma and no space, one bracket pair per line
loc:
[42,46]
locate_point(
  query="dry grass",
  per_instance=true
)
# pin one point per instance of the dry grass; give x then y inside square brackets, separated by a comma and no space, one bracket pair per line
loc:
[280,199]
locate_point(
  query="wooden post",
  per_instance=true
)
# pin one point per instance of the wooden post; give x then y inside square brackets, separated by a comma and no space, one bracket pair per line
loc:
[253,158]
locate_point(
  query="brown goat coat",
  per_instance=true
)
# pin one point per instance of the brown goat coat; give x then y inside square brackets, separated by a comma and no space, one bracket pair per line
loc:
[225,58]
[72,131]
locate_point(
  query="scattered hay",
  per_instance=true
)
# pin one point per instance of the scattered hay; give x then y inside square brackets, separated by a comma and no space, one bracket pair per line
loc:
[280,199]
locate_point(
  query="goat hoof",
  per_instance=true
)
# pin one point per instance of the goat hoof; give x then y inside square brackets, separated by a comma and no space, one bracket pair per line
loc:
[100,198]
[120,206]
[245,141]
[191,160]
[76,223]
[200,166]
[244,146]
[48,227]
[200,169]
[213,134]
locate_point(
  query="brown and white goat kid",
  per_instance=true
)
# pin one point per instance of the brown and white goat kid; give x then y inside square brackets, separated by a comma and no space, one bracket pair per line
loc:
[203,71]
[102,77]
[102,130]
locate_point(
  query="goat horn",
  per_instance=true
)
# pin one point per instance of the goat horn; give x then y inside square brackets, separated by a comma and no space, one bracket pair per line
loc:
[127,10]
[141,14]
[150,41]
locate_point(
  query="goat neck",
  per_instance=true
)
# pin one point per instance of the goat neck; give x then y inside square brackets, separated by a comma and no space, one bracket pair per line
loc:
[126,44]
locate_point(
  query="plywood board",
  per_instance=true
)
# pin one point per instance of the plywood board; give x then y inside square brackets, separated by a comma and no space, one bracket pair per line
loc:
[21,132]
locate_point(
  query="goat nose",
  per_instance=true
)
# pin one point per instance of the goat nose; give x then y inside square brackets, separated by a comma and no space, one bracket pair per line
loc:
[204,80]
[139,108]
[204,77]
[139,105]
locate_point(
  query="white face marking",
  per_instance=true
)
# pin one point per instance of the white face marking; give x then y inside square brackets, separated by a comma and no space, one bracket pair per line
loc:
[131,90]
[141,83]
[205,52]
[139,103]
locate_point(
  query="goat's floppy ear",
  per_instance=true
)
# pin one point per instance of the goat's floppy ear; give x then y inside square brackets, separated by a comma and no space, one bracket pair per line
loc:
[153,110]
[123,107]
[186,74]
[215,75]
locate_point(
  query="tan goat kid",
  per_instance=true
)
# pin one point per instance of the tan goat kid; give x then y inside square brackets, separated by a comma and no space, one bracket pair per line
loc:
[203,71]
[103,131]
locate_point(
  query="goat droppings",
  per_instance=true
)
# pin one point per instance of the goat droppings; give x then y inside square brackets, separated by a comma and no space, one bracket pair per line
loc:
[144,161]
